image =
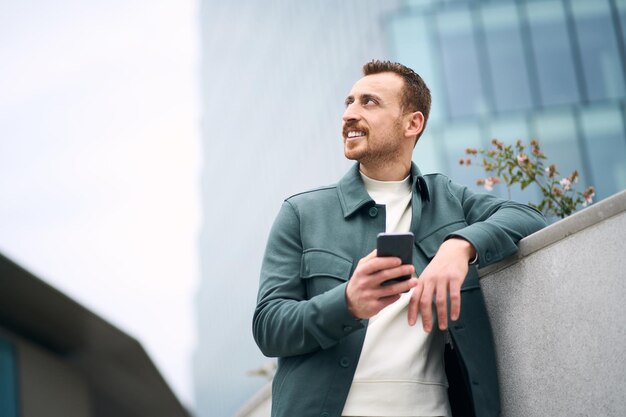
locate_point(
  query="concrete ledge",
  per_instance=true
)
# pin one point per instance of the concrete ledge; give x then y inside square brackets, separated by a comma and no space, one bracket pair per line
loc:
[555,232]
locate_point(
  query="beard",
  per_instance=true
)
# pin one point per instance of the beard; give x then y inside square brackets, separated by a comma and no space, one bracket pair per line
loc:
[378,149]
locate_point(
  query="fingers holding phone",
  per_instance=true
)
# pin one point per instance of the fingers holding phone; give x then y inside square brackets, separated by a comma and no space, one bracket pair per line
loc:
[398,245]
[381,276]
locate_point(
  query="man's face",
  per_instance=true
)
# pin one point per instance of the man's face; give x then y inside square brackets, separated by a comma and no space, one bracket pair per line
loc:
[372,122]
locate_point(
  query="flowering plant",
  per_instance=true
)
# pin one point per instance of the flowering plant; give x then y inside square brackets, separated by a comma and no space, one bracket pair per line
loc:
[512,164]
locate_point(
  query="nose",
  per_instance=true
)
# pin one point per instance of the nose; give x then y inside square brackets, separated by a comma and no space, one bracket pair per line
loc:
[351,113]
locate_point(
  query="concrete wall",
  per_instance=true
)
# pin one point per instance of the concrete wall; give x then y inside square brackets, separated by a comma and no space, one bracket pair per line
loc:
[559,317]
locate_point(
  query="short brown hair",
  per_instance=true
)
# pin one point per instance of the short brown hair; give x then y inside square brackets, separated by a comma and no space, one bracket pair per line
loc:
[415,95]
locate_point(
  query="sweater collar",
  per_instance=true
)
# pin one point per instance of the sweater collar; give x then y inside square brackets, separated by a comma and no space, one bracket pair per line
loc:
[353,196]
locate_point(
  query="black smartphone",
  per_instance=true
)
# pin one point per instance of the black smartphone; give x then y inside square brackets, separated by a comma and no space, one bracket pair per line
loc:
[399,245]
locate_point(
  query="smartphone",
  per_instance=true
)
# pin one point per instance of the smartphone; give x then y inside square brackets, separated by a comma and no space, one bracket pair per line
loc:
[399,245]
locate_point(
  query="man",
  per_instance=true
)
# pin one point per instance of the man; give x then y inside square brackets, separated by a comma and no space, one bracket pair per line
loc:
[349,346]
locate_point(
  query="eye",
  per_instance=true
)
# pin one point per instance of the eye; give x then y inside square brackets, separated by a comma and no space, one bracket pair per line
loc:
[349,101]
[369,102]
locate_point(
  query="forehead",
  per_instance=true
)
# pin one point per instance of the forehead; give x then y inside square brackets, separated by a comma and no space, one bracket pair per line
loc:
[386,85]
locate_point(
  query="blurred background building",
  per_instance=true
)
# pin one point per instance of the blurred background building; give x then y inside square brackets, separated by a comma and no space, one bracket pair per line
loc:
[59,359]
[274,78]
[275,75]
[546,69]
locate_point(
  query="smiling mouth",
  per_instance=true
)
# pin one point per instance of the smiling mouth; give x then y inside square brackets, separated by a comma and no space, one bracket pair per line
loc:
[355,134]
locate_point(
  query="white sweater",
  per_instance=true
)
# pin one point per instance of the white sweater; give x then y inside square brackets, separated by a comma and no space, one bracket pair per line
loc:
[401,371]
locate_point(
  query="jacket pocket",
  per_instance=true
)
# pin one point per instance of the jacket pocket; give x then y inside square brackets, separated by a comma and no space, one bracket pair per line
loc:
[323,270]
[430,242]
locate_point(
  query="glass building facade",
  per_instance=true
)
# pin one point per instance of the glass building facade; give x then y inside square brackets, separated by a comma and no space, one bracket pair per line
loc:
[553,70]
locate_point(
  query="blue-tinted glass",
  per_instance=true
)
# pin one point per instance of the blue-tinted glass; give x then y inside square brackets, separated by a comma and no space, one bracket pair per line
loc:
[553,53]
[621,10]
[557,135]
[461,71]
[509,130]
[457,138]
[412,46]
[597,39]
[420,4]
[603,130]
[506,57]
[426,154]
[8,378]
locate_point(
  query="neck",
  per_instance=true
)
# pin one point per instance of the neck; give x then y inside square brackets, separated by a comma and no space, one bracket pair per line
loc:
[396,171]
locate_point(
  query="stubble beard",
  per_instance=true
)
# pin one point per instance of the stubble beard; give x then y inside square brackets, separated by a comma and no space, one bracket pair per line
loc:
[377,152]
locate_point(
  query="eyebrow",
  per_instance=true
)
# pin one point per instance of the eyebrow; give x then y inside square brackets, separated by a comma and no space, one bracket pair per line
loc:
[363,97]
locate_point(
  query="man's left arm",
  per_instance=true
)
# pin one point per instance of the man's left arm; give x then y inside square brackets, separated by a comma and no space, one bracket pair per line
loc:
[495,226]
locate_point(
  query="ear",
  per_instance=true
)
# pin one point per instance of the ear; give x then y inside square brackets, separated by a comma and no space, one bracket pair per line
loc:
[415,124]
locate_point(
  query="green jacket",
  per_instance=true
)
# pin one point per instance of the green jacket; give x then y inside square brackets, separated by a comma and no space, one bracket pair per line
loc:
[314,246]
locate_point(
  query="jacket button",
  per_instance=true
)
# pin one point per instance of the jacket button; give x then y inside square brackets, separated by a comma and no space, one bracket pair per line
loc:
[488,256]
[373,211]
[344,362]
[324,414]
[347,328]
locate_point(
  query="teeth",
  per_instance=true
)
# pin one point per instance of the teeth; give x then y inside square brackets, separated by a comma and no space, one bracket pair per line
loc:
[354,134]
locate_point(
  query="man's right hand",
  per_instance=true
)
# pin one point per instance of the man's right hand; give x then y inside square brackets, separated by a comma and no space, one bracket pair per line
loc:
[365,295]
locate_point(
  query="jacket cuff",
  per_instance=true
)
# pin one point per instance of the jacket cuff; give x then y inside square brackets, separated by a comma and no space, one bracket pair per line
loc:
[478,236]
[334,317]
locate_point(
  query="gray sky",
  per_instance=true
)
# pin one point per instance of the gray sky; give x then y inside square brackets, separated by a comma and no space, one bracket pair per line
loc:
[100,159]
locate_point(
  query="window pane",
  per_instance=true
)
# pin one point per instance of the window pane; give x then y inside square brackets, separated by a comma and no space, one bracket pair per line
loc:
[460,64]
[553,54]
[420,4]
[412,47]
[509,129]
[621,9]
[604,134]
[426,154]
[457,138]
[598,48]
[557,136]
[506,57]
[8,378]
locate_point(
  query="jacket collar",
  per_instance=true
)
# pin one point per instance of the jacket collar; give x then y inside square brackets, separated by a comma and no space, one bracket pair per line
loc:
[353,196]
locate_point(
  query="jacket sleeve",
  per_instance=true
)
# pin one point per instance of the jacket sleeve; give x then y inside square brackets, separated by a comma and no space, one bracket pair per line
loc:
[495,225]
[285,322]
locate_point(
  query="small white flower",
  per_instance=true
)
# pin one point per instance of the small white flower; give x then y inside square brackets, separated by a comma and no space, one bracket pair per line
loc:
[566,184]
[490,182]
